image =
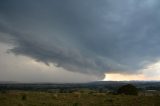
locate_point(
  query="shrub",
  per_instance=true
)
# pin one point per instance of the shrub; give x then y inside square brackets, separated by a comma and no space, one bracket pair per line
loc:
[128,89]
[24,97]
[3,91]
[76,104]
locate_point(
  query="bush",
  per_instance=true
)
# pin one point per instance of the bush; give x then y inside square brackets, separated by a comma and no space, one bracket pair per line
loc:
[128,90]
[3,91]
[76,104]
[24,97]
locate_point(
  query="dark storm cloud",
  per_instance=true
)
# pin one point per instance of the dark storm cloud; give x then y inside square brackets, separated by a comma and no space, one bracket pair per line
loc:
[87,36]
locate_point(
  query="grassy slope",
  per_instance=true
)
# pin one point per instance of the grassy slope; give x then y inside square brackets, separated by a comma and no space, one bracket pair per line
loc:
[19,98]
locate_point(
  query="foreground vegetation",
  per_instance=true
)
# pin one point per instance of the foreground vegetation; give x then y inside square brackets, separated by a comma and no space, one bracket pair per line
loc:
[38,98]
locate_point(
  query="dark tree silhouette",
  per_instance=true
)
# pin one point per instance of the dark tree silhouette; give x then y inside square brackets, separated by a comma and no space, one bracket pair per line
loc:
[128,89]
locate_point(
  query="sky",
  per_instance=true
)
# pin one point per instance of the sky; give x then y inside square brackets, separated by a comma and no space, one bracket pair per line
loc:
[79,40]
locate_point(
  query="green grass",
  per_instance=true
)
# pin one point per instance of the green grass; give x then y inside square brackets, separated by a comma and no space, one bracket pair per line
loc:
[32,98]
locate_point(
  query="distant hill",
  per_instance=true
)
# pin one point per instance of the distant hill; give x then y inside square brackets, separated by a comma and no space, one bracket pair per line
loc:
[110,85]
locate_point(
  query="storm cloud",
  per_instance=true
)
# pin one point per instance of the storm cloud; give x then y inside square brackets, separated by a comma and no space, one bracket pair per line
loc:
[86,36]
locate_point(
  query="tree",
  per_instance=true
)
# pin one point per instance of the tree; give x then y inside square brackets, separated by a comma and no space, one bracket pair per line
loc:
[128,89]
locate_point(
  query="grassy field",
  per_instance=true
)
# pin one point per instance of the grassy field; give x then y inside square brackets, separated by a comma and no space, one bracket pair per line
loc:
[33,98]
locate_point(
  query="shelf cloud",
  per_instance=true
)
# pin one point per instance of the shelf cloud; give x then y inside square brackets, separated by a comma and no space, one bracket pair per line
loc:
[85,36]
